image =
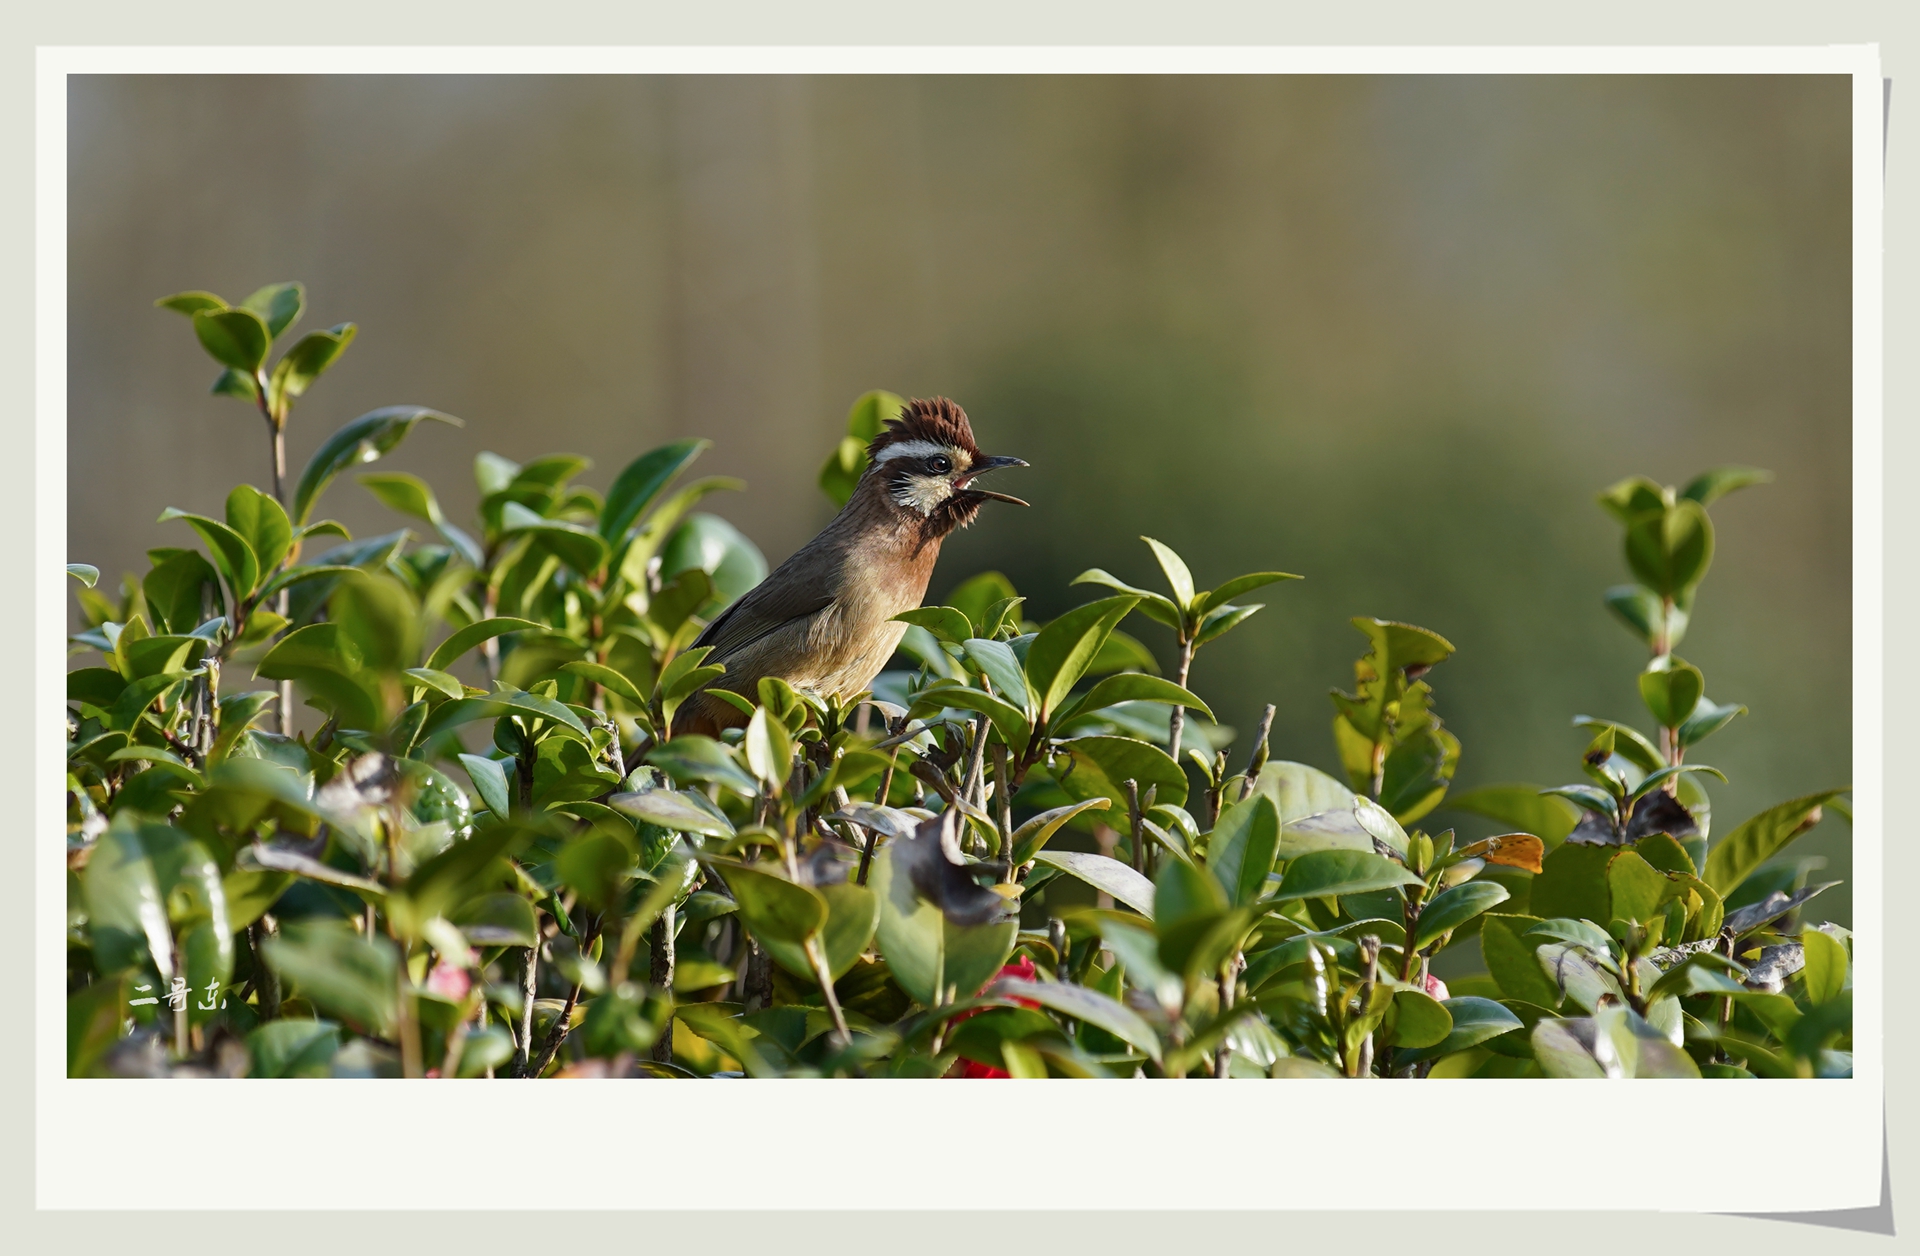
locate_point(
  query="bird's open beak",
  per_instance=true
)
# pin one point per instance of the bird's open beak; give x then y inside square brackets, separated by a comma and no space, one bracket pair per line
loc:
[981,468]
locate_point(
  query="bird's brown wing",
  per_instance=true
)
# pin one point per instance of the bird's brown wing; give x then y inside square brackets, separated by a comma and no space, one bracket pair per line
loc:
[763,609]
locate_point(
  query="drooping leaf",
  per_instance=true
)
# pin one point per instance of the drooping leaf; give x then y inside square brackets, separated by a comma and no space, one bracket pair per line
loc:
[1089,1006]
[1110,875]
[363,440]
[1735,856]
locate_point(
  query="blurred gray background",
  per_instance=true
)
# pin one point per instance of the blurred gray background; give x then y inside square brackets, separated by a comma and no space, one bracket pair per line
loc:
[1389,333]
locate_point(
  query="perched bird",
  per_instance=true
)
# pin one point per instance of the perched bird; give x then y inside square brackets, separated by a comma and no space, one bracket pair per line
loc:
[823,621]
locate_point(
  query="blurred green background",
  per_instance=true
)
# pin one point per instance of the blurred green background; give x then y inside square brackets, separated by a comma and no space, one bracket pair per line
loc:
[1390,333]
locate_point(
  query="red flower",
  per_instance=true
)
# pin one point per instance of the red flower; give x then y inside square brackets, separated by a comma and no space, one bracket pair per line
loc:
[1024,971]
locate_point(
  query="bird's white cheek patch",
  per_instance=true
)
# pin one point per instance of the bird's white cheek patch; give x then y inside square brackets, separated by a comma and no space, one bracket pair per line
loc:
[922,492]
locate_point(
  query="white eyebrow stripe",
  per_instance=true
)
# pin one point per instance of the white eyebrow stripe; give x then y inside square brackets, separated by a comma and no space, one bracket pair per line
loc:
[910,449]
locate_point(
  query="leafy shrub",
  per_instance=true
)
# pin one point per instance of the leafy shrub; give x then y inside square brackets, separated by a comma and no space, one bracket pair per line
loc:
[1017,856]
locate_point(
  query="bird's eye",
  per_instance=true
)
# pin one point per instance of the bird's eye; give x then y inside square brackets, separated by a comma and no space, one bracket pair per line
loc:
[939,464]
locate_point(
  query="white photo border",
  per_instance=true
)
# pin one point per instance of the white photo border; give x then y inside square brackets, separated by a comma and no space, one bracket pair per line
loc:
[1312,1145]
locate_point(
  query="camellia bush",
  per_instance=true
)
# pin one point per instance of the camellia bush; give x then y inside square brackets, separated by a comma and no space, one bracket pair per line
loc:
[483,849]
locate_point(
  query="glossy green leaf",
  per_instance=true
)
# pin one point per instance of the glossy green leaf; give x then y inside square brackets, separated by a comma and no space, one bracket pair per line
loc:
[696,758]
[578,547]
[998,663]
[1671,689]
[1735,856]
[231,553]
[278,305]
[1522,808]
[943,622]
[1031,837]
[457,644]
[307,360]
[191,303]
[1707,719]
[853,913]
[928,955]
[1710,486]
[1670,549]
[1825,972]
[1334,873]
[1061,652]
[1156,606]
[86,574]
[1089,1007]
[1179,579]
[1110,875]
[499,919]
[363,440]
[609,679]
[1097,766]
[126,914]
[489,778]
[1419,1020]
[642,481]
[848,461]
[1246,839]
[1135,687]
[236,339]
[1509,958]
[1452,908]
[671,810]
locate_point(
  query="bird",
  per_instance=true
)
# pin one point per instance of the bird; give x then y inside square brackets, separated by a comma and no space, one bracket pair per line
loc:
[823,621]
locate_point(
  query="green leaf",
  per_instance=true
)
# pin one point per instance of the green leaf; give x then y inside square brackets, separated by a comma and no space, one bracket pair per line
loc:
[95,1014]
[489,778]
[642,481]
[1135,687]
[261,522]
[191,303]
[1235,587]
[530,706]
[1179,579]
[1006,718]
[1474,1021]
[1419,1020]
[1707,719]
[1087,1006]
[236,339]
[1670,549]
[943,622]
[439,682]
[1219,620]
[608,679]
[1672,691]
[977,595]
[997,661]
[1030,838]
[1710,486]
[1246,839]
[1097,766]
[500,919]
[278,305]
[1153,605]
[1061,652]
[1333,873]
[691,757]
[293,1048]
[1826,966]
[1510,960]
[338,971]
[231,554]
[1636,890]
[1735,856]
[307,361]
[769,750]
[363,440]
[853,913]
[1633,496]
[251,893]
[1628,743]
[578,547]
[474,634]
[927,954]
[1573,883]
[776,910]
[671,810]
[126,914]
[1452,908]
[85,574]
[1115,878]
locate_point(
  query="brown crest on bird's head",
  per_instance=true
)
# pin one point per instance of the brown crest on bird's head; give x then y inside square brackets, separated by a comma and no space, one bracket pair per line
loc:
[938,421]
